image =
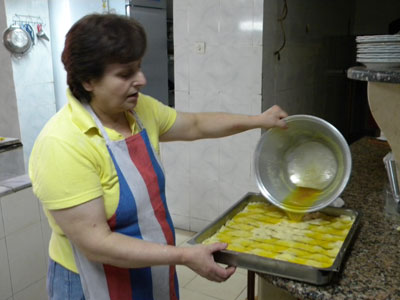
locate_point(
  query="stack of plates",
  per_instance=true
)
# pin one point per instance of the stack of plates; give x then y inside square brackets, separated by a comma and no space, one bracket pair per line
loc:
[379,52]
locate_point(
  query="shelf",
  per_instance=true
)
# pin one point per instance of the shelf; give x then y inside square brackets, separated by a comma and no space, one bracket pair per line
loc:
[365,74]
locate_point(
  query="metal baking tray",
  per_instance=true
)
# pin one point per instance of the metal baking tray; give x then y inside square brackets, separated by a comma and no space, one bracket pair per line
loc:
[259,264]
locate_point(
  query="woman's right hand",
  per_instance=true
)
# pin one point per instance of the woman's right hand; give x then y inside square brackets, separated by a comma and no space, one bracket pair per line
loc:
[200,259]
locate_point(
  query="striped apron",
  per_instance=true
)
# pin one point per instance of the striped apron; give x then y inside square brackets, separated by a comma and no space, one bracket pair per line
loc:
[142,213]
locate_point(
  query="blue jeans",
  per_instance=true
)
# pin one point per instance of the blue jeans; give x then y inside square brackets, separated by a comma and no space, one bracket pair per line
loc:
[63,284]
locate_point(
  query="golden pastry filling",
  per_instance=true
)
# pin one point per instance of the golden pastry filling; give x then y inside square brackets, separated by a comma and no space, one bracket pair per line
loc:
[265,230]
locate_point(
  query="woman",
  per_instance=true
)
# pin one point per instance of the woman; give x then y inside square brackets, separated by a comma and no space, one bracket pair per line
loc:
[95,169]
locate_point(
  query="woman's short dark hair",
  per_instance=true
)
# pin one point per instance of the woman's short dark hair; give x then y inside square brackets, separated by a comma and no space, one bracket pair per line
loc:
[95,41]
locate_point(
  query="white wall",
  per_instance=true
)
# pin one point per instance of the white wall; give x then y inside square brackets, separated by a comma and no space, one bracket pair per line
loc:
[24,240]
[33,75]
[63,14]
[35,87]
[9,121]
[238,72]
[205,177]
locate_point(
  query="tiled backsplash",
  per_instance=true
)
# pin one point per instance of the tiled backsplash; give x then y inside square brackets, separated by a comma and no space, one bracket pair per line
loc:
[205,177]
[9,122]
[24,236]
[236,71]
[33,75]
[11,163]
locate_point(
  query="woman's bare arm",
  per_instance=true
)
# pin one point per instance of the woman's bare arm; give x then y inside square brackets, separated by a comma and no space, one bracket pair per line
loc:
[194,126]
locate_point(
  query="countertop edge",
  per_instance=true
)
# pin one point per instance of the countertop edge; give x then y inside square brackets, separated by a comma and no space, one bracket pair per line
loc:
[14,184]
[364,74]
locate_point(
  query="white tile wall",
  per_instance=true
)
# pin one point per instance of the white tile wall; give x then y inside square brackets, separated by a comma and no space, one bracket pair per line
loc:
[258,19]
[226,77]
[178,188]
[19,210]
[238,72]
[46,234]
[204,162]
[235,164]
[36,105]
[35,291]
[236,14]
[2,232]
[181,221]
[26,257]
[181,74]
[5,279]
[46,231]
[237,283]
[23,247]
[203,19]
[33,74]
[9,122]
[204,199]
[198,224]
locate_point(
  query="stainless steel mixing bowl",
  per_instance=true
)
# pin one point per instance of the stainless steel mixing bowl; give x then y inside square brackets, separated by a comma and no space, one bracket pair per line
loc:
[17,40]
[310,153]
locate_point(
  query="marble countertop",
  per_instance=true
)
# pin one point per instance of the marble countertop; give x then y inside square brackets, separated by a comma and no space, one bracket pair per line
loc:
[14,184]
[371,268]
[364,74]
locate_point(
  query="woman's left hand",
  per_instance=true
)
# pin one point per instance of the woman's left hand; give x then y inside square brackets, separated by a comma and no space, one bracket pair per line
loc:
[273,117]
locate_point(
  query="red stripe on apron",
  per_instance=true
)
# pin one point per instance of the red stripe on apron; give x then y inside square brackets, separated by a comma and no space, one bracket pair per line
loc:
[172,293]
[142,161]
[112,222]
[119,283]
[118,279]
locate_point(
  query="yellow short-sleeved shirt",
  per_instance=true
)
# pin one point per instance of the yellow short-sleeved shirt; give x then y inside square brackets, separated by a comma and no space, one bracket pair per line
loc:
[70,164]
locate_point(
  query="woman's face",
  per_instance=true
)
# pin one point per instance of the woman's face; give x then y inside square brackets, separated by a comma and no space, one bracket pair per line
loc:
[118,90]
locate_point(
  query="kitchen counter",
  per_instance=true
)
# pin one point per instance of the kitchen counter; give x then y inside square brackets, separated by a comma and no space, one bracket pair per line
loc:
[371,268]
[11,159]
[364,74]
[14,184]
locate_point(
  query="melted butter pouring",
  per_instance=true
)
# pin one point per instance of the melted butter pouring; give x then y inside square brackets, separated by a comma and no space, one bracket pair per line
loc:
[301,197]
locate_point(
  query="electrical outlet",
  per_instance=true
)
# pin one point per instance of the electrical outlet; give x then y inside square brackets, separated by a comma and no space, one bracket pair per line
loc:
[200,47]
